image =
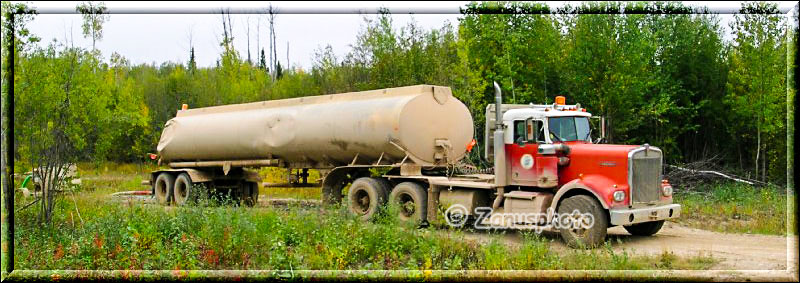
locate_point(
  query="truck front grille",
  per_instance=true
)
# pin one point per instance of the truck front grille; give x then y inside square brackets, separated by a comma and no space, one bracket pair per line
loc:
[646,175]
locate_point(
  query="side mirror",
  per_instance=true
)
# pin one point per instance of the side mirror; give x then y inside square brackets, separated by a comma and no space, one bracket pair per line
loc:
[530,132]
[599,122]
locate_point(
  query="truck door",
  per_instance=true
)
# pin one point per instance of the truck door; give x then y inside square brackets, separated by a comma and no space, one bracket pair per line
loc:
[523,153]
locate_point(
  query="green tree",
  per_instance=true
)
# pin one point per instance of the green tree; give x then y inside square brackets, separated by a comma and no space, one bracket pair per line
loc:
[518,48]
[755,89]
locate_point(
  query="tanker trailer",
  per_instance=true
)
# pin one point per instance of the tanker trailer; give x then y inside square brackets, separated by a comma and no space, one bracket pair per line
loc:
[548,172]
[212,148]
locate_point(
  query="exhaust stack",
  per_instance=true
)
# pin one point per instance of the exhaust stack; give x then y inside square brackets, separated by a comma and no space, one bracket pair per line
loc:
[500,178]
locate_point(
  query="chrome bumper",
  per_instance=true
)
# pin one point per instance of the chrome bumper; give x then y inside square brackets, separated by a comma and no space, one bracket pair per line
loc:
[626,216]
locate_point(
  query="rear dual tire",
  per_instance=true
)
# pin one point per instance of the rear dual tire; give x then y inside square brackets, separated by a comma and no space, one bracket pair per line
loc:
[182,191]
[163,188]
[412,202]
[176,190]
[366,196]
[185,192]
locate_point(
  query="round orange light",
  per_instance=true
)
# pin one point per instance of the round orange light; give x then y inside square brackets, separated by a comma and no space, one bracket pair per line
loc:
[560,100]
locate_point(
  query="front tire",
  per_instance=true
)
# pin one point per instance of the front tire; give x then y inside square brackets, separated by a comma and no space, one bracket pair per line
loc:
[644,229]
[365,197]
[578,237]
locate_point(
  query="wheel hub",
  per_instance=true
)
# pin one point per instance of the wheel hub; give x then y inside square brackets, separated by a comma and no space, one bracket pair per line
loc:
[362,202]
[407,207]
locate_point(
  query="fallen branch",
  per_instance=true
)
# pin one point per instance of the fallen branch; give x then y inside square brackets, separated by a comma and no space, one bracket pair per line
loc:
[723,175]
[27,205]
[132,193]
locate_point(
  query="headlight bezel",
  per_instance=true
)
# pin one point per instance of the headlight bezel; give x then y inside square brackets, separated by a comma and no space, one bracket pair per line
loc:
[619,196]
[667,191]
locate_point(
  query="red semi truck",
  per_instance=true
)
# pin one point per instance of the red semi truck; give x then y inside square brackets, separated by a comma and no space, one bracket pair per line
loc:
[547,167]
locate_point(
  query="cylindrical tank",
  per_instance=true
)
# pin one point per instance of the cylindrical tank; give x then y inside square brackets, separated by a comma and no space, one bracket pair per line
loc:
[424,122]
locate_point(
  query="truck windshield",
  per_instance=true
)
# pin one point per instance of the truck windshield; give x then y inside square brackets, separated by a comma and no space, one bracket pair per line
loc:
[570,129]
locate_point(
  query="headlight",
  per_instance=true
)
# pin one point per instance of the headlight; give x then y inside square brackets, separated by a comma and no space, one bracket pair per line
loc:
[619,196]
[666,191]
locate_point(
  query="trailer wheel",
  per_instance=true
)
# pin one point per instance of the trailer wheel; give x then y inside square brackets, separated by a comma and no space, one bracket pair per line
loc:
[386,186]
[577,237]
[644,229]
[163,188]
[250,194]
[185,191]
[254,193]
[332,189]
[412,202]
[365,197]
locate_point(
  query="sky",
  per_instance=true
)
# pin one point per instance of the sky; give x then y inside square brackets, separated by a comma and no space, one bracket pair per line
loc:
[157,38]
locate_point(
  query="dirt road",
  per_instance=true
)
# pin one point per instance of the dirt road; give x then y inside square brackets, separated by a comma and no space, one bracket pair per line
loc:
[733,251]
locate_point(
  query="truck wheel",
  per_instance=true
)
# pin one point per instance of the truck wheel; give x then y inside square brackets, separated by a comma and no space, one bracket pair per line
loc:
[576,237]
[163,188]
[250,194]
[644,229]
[254,193]
[386,186]
[365,197]
[332,191]
[412,201]
[184,190]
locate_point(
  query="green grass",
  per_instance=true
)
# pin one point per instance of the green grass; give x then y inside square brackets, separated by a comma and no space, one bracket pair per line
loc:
[131,235]
[734,208]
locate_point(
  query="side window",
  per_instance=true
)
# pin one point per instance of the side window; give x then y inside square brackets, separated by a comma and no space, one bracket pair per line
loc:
[519,132]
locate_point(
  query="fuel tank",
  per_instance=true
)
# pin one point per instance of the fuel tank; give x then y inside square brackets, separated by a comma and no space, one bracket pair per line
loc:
[423,124]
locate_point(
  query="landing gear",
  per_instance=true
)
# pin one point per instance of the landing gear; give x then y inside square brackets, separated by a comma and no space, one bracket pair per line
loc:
[299,177]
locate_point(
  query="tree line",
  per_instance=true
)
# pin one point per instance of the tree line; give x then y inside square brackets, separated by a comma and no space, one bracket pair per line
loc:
[659,73]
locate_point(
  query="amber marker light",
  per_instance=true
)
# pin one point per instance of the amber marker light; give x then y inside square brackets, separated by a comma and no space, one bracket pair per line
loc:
[560,100]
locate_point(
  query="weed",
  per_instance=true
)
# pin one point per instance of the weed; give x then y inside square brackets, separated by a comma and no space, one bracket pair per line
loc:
[734,208]
[219,235]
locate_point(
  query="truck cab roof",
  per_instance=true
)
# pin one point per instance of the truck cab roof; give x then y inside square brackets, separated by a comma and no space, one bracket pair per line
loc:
[538,111]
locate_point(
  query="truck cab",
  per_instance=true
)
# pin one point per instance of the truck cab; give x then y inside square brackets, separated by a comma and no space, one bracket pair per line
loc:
[550,152]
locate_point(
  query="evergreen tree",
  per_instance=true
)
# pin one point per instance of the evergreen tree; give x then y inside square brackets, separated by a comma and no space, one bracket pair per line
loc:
[262,63]
[192,63]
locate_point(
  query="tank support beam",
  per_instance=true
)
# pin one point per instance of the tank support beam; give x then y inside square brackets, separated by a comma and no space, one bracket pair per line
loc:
[233,163]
